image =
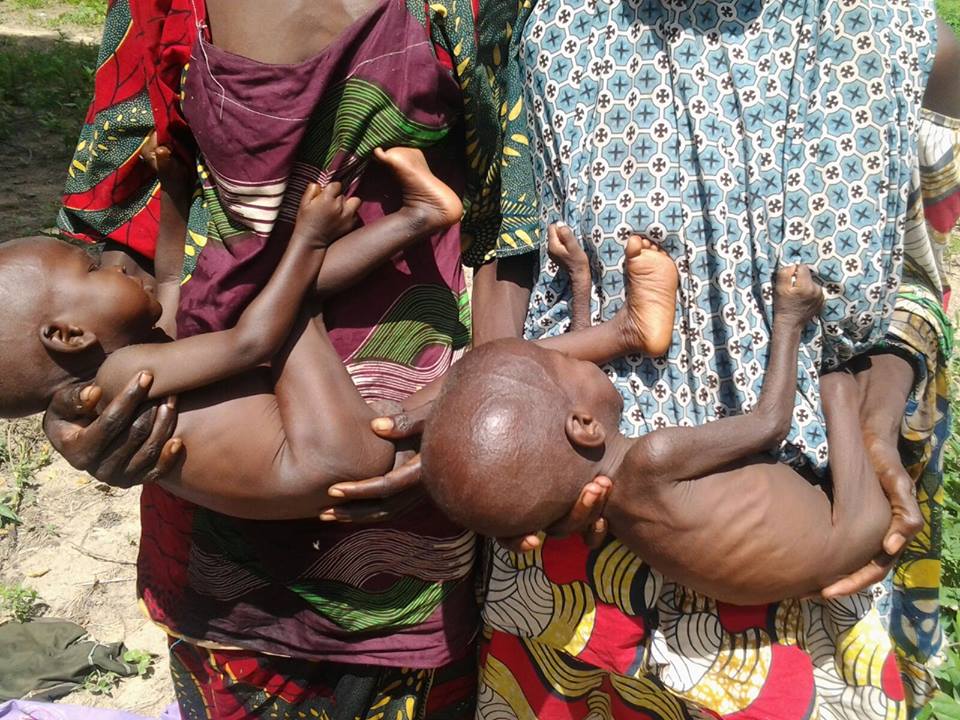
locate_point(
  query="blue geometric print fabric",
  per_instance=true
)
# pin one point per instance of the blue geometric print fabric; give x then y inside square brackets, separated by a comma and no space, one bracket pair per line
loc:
[742,136]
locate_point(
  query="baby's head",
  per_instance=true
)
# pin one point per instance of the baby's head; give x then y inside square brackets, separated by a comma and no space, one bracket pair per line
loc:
[515,435]
[60,316]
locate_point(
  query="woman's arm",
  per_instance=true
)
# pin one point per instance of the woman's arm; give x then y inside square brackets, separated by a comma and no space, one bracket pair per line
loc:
[885,383]
[943,86]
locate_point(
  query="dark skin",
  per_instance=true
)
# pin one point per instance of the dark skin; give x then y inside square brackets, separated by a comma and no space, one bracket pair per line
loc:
[127,444]
[883,400]
[270,442]
[724,520]
[643,326]
[501,292]
[134,444]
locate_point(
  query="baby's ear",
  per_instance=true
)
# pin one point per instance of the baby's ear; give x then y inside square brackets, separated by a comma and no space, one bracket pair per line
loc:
[584,430]
[62,337]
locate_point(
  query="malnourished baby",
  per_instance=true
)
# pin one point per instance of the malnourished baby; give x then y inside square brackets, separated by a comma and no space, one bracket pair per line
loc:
[519,429]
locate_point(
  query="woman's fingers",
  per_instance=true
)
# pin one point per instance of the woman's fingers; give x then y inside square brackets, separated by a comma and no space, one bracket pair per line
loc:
[402,425]
[156,456]
[123,445]
[368,511]
[906,519]
[119,416]
[521,544]
[401,479]
[587,510]
[82,441]
[870,574]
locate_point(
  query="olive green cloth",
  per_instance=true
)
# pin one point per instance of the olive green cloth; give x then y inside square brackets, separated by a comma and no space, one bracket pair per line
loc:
[46,659]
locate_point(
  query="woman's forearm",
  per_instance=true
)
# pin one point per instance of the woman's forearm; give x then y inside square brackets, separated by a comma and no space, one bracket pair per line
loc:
[501,295]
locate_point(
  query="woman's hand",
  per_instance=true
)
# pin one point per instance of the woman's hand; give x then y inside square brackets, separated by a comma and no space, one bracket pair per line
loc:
[885,381]
[381,498]
[125,445]
[585,518]
[906,521]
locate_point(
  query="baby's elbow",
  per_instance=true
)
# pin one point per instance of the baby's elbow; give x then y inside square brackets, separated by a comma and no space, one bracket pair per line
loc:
[307,484]
[250,348]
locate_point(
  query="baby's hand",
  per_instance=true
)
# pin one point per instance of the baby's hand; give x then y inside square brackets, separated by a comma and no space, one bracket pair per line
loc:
[176,178]
[797,298]
[325,215]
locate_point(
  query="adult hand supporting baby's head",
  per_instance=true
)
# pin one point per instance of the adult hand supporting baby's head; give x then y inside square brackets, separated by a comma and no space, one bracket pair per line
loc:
[585,518]
[127,444]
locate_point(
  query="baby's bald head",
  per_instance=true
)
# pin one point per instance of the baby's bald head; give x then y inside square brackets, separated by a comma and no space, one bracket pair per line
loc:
[25,300]
[496,455]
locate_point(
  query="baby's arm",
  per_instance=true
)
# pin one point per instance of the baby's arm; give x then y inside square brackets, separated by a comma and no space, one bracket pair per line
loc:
[757,531]
[429,206]
[264,325]
[565,250]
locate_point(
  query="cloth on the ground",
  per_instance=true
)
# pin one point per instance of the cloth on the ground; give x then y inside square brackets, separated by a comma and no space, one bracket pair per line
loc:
[29,710]
[47,658]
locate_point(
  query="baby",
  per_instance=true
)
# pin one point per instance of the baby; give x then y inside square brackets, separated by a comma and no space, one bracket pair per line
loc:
[518,430]
[274,436]
[268,415]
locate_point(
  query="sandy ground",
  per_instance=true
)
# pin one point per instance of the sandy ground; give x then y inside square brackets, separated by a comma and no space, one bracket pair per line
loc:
[77,547]
[77,544]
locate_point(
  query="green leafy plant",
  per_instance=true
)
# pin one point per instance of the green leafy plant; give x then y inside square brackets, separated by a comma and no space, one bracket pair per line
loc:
[19,602]
[101,682]
[142,660]
[24,451]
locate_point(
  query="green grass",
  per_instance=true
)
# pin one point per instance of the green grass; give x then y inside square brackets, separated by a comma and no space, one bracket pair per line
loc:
[946,705]
[949,11]
[24,451]
[44,91]
[78,13]
[18,602]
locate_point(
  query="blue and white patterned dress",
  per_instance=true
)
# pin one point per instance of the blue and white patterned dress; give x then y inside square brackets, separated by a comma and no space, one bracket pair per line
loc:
[741,136]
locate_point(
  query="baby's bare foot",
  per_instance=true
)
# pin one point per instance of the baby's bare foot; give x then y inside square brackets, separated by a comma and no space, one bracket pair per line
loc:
[422,191]
[796,297]
[646,319]
[564,249]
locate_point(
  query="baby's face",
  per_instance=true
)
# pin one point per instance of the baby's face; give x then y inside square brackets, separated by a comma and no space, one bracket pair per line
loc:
[118,307]
[586,383]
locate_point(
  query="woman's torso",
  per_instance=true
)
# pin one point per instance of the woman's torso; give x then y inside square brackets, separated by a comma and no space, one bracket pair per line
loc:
[265,130]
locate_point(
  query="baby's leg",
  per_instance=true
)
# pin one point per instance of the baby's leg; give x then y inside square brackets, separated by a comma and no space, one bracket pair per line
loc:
[644,324]
[646,321]
[861,511]
[429,206]
[325,420]
[565,250]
